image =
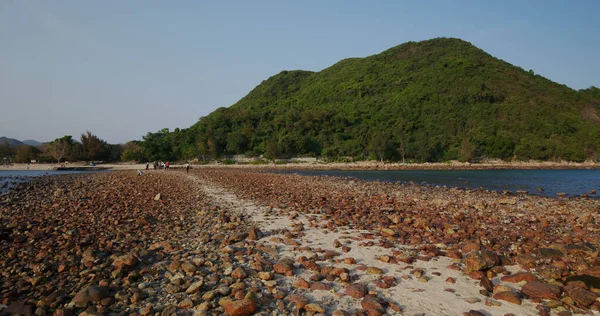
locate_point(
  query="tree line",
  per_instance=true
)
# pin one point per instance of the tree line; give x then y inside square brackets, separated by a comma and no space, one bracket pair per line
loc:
[89,148]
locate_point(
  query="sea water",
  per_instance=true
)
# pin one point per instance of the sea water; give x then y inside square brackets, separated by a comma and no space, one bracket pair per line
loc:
[549,182]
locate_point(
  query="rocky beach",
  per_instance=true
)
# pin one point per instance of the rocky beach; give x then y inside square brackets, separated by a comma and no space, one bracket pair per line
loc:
[236,241]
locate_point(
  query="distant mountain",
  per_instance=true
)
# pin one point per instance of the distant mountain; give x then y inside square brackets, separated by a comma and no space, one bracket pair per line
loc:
[11,141]
[31,142]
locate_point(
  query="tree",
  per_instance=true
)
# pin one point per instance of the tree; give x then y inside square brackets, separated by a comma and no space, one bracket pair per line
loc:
[379,144]
[59,147]
[5,149]
[24,154]
[467,150]
[132,151]
[92,145]
[272,150]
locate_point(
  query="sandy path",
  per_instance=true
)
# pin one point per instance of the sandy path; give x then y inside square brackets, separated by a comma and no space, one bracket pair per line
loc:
[434,297]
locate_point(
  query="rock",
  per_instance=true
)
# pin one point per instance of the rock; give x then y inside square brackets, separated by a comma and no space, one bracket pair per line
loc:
[373,270]
[481,259]
[302,284]
[550,272]
[189,268]
[538,289]
[386,232]
[128,260]
[19,308]
[372,306]
[491,302]
[194,287]
[469,247]
[157,197]
[299,300]
[548,253]
[474,313]
[357,290]
[349,260]
[314,308]
[472,300]
[320,286]
[185,304]
[519,277]
[147,310]
[244,307]
[486,284]
[284,266]
[264,275]
[90,293]
[581,296]
[508,297]
[254,233]
[239,273]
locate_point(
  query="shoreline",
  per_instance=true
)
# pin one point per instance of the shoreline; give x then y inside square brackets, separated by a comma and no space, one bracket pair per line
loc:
[363,165]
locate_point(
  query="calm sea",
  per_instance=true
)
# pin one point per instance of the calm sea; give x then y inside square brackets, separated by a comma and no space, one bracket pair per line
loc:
[572,182]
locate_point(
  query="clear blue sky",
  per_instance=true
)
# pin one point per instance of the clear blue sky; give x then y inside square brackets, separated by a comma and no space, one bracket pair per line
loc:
[124,68]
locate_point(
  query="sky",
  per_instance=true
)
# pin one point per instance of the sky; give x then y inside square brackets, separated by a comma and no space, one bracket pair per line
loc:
[121,69]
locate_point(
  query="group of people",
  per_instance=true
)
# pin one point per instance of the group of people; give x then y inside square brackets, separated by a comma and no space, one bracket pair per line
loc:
[158,165]
[164,166]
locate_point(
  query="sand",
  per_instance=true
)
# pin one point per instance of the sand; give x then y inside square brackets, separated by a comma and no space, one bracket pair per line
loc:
[431,298]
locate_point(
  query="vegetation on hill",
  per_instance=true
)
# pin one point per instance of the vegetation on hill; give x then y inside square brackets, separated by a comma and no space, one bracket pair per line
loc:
[434,100]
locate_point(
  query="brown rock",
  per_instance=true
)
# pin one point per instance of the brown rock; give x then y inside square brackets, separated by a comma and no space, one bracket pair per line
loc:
[373,270]
[188,267]
[538,289]
[320,286]
[548,253]
[90,293]
[469,247]
[239,273]
[299,300]
[372,306]
[19,308]
[518,277]
[284,266]
[243,307]
[128,260]
[338,271]
[581,296]
[526,262]
[254,233]
[486,284]
[314,308]
[349,260]
[302,284]
[357,290]
[508,296]
[481,259]
[474,313]
[549,272]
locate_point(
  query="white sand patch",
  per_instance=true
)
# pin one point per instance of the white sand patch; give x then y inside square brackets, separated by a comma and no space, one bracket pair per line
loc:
[430,298]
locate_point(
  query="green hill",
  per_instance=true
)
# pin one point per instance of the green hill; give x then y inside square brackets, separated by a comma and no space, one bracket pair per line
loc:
[433,100]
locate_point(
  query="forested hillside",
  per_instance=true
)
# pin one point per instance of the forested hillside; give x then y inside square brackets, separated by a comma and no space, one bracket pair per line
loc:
[434,100]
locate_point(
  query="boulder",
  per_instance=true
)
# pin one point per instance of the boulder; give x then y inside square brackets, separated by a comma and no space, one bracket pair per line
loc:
[538,289]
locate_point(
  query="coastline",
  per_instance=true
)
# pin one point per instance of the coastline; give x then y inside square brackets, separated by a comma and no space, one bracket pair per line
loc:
[363,165]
